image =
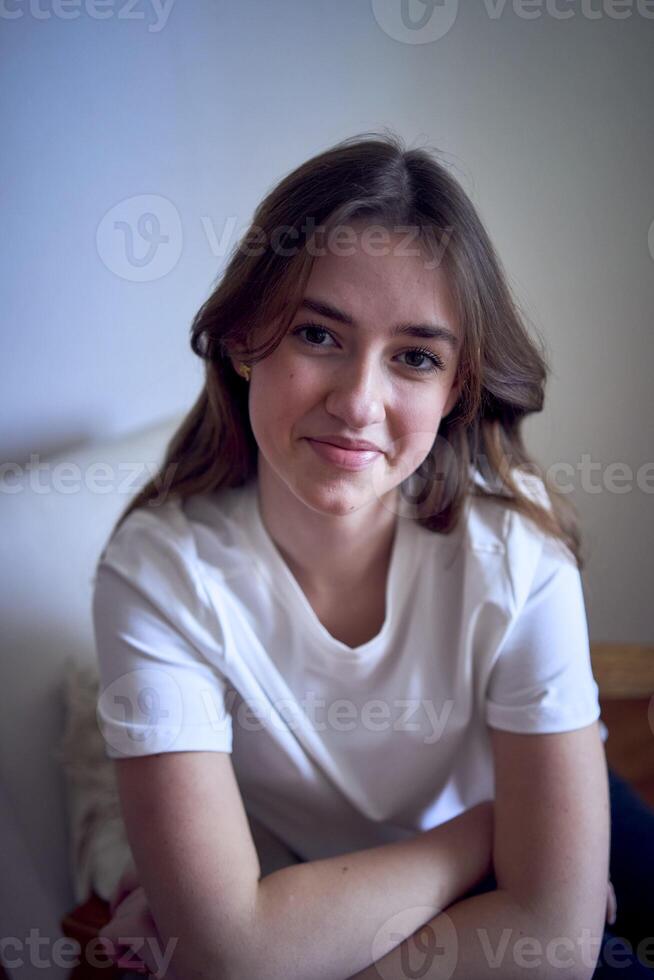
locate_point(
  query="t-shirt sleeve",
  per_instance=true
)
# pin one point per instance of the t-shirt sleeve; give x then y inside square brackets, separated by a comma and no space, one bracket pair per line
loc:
[541,680]
[158,643]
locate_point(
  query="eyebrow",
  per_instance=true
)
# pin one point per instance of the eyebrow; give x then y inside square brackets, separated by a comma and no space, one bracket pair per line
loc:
[433,331]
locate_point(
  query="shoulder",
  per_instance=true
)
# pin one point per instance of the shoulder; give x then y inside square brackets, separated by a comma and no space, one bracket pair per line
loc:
[169,535]
[491,527]
[488,522]
[151,537]
[152,577]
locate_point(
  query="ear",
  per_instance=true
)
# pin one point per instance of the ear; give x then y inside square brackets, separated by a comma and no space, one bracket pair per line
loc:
[235,363]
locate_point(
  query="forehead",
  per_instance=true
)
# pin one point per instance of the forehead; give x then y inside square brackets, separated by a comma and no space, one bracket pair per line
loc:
[385,274]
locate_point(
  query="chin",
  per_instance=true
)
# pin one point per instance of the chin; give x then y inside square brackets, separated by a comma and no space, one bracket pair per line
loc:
[336,498]
[340,497]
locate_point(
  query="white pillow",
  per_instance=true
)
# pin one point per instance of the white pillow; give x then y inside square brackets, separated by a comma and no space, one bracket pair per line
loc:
[99,850]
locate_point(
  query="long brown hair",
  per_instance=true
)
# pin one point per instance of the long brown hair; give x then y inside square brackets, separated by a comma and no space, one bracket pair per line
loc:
[502,368]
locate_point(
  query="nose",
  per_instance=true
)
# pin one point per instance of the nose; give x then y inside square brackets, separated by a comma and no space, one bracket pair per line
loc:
[356,395]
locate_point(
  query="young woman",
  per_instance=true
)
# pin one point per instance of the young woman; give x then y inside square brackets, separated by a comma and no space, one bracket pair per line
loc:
[344,655]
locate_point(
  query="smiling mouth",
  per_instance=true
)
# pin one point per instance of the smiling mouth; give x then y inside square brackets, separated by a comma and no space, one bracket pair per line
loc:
[344,442]
[349,459]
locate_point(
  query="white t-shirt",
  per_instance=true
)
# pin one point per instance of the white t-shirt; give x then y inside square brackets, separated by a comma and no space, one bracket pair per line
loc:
[206,641]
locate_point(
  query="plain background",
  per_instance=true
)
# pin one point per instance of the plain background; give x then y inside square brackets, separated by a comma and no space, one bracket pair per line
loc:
[191,112]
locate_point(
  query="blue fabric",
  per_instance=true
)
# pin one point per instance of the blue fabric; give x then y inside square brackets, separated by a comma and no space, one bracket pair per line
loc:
[632,874]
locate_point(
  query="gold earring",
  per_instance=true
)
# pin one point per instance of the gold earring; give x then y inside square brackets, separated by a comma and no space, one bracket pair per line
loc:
[245,371]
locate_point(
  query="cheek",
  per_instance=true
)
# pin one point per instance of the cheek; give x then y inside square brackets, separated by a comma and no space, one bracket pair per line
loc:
[279,398]
[421,413]
[415,427]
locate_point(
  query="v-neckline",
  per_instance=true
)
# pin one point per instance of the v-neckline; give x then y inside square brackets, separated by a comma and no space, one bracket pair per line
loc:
[287,587]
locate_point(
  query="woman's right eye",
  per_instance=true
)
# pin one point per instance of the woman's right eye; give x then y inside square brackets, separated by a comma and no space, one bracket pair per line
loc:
[313,329]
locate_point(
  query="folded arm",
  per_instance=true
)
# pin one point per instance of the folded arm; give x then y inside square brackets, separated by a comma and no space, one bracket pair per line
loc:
[318,919]
[550,855]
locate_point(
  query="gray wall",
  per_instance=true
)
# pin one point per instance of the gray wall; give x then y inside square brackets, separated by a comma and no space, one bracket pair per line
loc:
[543,110]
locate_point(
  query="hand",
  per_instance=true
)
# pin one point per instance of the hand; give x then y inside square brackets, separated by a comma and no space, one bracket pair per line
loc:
[483,817]
[131,939]
[130,933]
[611,905]
[129,880]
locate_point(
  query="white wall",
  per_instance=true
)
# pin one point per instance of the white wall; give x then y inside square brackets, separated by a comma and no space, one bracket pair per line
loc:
[547,122]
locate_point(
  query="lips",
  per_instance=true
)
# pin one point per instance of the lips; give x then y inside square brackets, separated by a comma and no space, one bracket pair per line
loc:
[347,459]
[351,444]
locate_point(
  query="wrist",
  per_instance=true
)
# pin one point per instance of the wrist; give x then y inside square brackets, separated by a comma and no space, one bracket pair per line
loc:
[465,849]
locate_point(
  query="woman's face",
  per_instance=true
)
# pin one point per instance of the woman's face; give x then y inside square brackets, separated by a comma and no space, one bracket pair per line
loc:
[358,380]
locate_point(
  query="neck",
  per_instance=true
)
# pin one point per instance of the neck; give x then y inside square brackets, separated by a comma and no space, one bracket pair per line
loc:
[329,554]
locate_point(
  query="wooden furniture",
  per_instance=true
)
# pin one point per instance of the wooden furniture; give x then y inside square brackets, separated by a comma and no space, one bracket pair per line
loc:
[625,677]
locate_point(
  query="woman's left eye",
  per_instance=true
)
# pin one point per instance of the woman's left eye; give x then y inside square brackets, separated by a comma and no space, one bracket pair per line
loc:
[434,362]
